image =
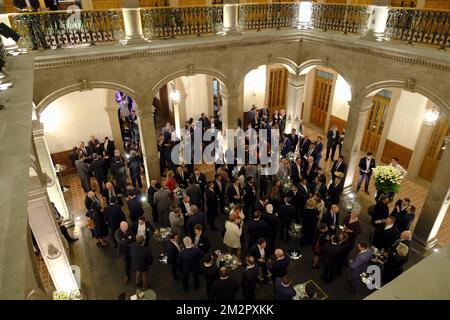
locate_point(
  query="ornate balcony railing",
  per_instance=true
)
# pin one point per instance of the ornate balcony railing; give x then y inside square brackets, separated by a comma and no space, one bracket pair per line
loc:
[345,18]
[59,29]
[268,16]
[165,23]
[431,27]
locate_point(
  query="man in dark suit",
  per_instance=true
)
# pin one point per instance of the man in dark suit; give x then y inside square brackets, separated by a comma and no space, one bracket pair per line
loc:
[285,146]
[194,192]
[114,216]
[279,265]
[311,152]
[151,200]
[124,239]
[189,261]
[212,205]
[224,288]
[293,137]
[23,5]
[173,250]
[319,187]
[201,241]
[181,177]
[304,145]
[334,191]
[296,171]
[249,197]
[143,229]
[98,166]
[303,190]
[333,138]
[338,166]
[261,205]
[273,227]
[107,149]
[309,169]
[211,273]
[197,217]
[249,279]
[283,289]
[257,228]
[331,219]
[53,5]
[366,164]
[331,258]
[359,265]
[234,192]
[219,189]
[319,149]
[386,234]
[135,165]
[135,207]
[94,145]
[286,214]
[258,251]
[200,180]
[142,259]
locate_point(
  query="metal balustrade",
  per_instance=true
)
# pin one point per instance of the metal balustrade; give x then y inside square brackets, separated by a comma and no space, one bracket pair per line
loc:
[345,18]
[268,16]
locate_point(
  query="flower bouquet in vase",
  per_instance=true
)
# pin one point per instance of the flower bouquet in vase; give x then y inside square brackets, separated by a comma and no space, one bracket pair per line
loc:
[387,181]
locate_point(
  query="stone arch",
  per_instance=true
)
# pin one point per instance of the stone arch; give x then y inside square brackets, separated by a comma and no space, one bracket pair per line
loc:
[46,101]
[440,102]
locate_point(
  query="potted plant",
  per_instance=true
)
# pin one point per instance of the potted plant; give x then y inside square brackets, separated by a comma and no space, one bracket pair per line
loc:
[387,181]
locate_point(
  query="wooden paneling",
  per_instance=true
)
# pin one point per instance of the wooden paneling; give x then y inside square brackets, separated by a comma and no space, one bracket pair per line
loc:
[394,150]
[340,123]
[321,100]
[404,3]
[106,4]
[375,124]
[277,89]
[63,158]
[437,4]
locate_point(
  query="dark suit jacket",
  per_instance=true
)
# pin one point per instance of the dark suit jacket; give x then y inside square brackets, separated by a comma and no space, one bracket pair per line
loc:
[331,254]
[189,260]
[225,289]
[363,165]
[287,212]
[182,181]
[195,194]
[259,206]
[294,141]
[212,203]
[309,175]
[231,193]
[99,168]
[256,229]
[285,147]
[172,253]
[304,147]
[114,216]
[249,281]
[327,218]
[109,148]
[123,242]
[342,168]
[280,267]
[282,292]
[217,190]
[21,4]
[384,239]
[295,173]
[141,257]
[135,208]
[273,225]
[148,231]
[203,243]
[322,189]
[254,252]
[330,140]
[304,195]
[313,154]
[334,193]
[201,181]
[198,218]
[250,194]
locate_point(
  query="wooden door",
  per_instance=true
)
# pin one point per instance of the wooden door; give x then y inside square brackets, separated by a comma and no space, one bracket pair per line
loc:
[217,97]
[323,88]
[277,89]
[376,121]
[434,151]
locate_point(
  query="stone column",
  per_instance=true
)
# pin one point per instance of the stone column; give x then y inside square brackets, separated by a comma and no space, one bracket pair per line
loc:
[149,145]
[54,190]
[436,204]
[115,126]
[357,117]
[377,20]
[294,101]
[132,21]
[230,18]
[231,110]
[420,149]
[48,237]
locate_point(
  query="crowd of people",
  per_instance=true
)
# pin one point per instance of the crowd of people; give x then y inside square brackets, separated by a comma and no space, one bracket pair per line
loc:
[261,214]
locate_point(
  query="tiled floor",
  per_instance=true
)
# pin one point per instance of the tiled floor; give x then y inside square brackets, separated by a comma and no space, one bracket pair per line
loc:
[102,268]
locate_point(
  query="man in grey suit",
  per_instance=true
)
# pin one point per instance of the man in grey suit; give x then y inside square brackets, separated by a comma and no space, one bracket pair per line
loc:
[84,173]
[359,265]
[162,201]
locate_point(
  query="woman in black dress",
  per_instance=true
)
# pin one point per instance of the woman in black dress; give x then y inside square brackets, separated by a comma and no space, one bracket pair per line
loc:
[321,237]
[310,218]
[100,226]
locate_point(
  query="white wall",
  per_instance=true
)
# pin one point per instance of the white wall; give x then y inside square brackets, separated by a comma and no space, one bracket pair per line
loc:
[75,117]
[255,88]
[407,119]
[197,89]
[342,95]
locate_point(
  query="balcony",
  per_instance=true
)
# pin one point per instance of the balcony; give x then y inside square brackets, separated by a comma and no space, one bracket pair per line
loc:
[69,29]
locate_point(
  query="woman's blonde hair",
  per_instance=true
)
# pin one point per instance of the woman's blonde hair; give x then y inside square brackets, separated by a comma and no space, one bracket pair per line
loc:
[311,203]
[402,249]
[169,174]
[232,217]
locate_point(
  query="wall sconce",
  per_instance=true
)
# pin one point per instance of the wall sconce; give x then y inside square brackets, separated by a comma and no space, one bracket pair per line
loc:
[175,96]
[431,116]
[53,252]
[289,119]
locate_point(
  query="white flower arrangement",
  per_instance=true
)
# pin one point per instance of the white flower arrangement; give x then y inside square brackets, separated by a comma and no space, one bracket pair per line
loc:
[63,295]
[387,178]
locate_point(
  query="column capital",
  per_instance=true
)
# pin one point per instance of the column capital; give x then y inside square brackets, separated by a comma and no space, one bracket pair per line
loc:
[359,105]
[38,129]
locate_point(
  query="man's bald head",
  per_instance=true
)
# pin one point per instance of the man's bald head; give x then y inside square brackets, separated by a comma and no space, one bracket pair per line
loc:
[405,235]
[279,253]
[91,194]
[124,226]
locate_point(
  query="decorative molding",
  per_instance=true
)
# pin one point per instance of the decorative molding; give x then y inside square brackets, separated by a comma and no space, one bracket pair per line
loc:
[386,53]
[190,70]
[410,84]
[85,85]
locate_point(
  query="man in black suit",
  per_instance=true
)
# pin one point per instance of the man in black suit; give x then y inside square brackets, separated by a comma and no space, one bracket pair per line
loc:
[261,205]
[257,228]
[142,260]
[309,169]
[200,180]
[173,250]
[331,258]
[333,138]
[197,217]
[224,288]
[94,145]
[114,216]
[151,200]
[304,145]
[331,219]
[211,272]
[219,189]
[304,191]
[338,166]
[143,229]
[24,5]
[201,241]
[124,238]
[319,187]
[212,205]
[107,149]
[334,191]
[194,192]
[286,214]
[135,207]
[296,201]
[386,234]
[53,5]
[366,164]
[293,137]
[181,177]
[258,251]
[311,152]
[273,227]
[98,166]
[279,265]
[189,261]
[283,289]
[249,279]
[296,171]
[249,197]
